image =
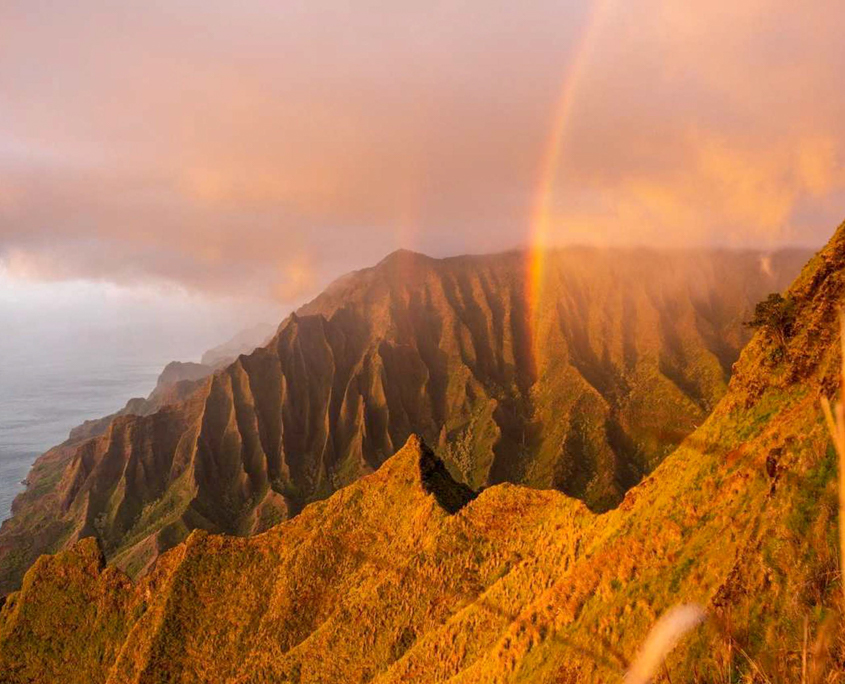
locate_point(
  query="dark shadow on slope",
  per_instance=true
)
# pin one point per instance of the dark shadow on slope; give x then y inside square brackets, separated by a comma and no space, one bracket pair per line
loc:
[450,494]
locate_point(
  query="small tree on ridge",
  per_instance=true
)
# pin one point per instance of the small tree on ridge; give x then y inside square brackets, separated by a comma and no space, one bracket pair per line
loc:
[775,315]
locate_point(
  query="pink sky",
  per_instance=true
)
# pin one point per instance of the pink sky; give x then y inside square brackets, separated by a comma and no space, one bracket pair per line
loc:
[262,148]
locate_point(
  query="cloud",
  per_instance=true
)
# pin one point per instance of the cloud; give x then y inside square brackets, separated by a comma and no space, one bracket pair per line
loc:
[266,148]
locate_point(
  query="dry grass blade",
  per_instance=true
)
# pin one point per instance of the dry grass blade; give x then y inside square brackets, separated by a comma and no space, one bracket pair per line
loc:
[835,418]
[831,424]
[820,654]
[755,666]
[805,649]
[662,638]
[841,451]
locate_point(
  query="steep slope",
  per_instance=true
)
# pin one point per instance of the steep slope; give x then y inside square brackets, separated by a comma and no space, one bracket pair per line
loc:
[584,387]
[175,384]
[242,343]
[180,379]
[405,575]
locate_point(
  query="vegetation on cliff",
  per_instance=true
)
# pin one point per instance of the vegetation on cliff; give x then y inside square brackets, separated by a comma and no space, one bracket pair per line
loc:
[626,353]
[405,576]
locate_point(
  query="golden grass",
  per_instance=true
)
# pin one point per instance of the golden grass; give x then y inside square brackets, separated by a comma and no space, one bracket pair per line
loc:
[380,584]
[667,632]
[835,417]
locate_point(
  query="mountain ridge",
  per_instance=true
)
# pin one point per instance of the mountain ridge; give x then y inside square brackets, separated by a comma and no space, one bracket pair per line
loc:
[625,358]
[178,380]
[379,583]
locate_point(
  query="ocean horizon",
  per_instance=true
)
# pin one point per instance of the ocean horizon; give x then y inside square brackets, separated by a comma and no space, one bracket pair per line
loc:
[41,400]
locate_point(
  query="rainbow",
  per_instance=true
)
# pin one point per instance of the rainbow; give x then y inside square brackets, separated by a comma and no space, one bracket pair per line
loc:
[540,223]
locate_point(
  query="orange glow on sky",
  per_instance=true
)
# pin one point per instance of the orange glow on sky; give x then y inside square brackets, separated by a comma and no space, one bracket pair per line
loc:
[228,148]
[553,159]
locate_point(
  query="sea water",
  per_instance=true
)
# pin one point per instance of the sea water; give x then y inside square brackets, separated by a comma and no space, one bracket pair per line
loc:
[77,350]
[43,396]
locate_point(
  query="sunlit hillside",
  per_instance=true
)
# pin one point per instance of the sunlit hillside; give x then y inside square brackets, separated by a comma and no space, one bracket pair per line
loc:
[406,575]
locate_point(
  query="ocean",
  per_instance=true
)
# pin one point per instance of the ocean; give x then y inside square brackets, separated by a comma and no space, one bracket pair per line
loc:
[41,399]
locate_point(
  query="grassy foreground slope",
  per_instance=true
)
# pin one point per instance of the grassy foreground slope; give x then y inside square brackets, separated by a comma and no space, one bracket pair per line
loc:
[405,575]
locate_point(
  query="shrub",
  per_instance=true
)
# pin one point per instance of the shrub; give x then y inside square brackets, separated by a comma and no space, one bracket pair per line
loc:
[775,315]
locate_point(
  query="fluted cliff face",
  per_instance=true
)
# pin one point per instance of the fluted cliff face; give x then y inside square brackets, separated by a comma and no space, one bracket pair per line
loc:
[407,576]
[583,386]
